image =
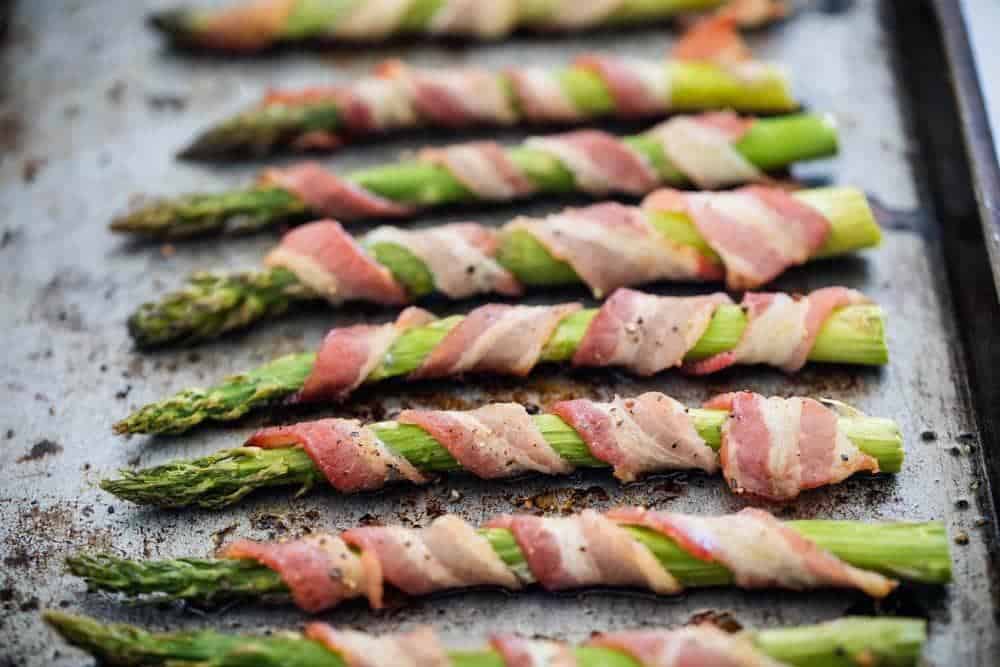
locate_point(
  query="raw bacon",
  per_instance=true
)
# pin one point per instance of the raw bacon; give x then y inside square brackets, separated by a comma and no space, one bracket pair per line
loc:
[475,18]
[327,194]
[459,256]
[585,550]
[459,97]
[448,553]
[329,260]
[349,354]
[497,440]
[651,432]
[610,245]
[773,448]
[541,96]
[639,88]
[702,148]
[319,570]
[758,549]
[646,333]
[759,232]
[781,330]
[348,453]
[693,646]
[419,648]
[484,168]
[495,338]
[521,652]
[601,163]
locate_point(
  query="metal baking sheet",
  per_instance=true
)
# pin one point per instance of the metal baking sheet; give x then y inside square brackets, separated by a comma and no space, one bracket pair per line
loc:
[92,109]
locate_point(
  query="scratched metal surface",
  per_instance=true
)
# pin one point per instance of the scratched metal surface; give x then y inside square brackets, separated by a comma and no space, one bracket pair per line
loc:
[91,110]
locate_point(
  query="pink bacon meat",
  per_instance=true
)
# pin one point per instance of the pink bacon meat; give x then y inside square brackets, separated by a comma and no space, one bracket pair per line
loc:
[610,245]
[600,162]
[459,256]
[758,550]
[703,149]
[651,432]
[693,646]
[330,261]
[638,88]
[585,550]
[448,553]
[781,330]
[522,652]
[348,454]
[327,194]
[495,338]
[758,232]
[773,448]
[484,168]
[419,648]
[498,440]
[645,333]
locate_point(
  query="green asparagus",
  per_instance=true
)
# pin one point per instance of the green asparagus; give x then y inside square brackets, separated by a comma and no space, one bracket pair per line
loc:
[212,304]
[769,144]
[853,641]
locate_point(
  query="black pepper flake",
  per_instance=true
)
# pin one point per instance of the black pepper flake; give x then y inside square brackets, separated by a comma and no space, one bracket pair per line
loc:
[928,436]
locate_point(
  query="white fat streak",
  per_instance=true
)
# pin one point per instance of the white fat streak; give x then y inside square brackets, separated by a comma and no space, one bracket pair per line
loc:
[655,79]
[546,92]
[511,320]
[782,417]
[481,92]
[773,336]
[477,18]
[570,14]
[588,173]
[704,154]
[307,270]
[574,549]
[468,555]
[476,171]
[389,100]
[788,240]
[371,19]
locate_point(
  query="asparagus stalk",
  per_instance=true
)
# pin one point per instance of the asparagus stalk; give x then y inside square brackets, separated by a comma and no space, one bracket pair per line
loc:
[227,476]
[851,335]
[290,118]
[915,552]
[770,144]
[852,641]
[254,25]
[212,304]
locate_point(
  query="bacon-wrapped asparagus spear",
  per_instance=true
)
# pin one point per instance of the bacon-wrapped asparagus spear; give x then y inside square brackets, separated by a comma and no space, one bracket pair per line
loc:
[853,641]
[397,97]
[250,25]
[658,551]
[643,333]
[709,150]
[803,443]
[747,237]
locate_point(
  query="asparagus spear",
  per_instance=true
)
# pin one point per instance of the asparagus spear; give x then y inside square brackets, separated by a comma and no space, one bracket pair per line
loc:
[257,24]
[852,335]
[298,117]
[227,476]
[910,551]
[851,641]
[214,303]
[770,144]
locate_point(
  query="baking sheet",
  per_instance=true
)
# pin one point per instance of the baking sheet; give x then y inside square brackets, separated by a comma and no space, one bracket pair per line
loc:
[92,109]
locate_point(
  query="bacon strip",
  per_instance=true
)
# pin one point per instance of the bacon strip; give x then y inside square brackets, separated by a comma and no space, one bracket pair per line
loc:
[518,651]
[419,648]
[319,570]
[371,20]
[475,18]
[459,97]
[646,333]
[460,256]
[601,163]
[349,354]
[651,432]
[781,330]
[541,96]
[495,338]
[773,448]
[758,549]
[327,194]
[585,550]
[701,645]
[572,14]
[639,88]
[610,245]
[329,260]
[758,232]
[702,148]
[497,440]
[484,168]
[348,453]
[449,553]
